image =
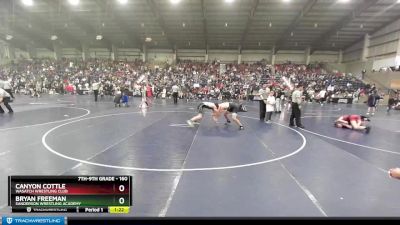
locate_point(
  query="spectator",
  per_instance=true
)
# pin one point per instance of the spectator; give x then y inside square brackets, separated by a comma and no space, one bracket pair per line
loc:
[270,103]
[95,88]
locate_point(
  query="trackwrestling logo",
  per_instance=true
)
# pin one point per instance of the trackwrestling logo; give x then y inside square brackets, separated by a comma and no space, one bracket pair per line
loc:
[33,220]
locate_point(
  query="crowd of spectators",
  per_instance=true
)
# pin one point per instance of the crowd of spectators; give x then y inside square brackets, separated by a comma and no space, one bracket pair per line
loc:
[195,80]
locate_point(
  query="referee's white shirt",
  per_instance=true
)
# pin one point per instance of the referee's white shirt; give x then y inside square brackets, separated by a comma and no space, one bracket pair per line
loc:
[6,84]
[95,86]
[296,97]
[175,89]
[4,94]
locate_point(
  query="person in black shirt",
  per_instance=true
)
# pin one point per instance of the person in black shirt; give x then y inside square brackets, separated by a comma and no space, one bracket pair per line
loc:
[278,100]
[391,101]
[233,108]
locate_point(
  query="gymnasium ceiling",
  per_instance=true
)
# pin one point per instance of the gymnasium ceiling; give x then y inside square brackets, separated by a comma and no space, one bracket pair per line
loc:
[195,24]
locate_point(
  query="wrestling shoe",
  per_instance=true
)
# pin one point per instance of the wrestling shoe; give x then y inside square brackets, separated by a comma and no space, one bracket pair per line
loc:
[367,130]
[190,123]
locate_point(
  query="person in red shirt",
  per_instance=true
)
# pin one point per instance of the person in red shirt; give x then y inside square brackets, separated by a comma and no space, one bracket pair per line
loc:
[354,122]
[149,94]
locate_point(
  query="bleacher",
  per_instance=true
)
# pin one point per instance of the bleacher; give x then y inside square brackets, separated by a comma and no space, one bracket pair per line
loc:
[355,84]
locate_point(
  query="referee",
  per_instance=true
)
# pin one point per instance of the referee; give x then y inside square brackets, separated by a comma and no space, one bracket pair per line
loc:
[175,92]
[296,101]
[95,88]
[260,96]
[7,87]
[263,94]
[5,99]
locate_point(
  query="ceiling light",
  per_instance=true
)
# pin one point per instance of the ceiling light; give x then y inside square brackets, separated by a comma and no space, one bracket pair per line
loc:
[74,2]
[398,1]
[183,24]
[291,34]
[53,37]
[9,37]
[189,43]
[361,26]
[174,1]
[270,24]
[315,25]
[259,43]
[226,24]
[148,39]
[142,24]
[286,1]
[229,1]
[123,2]
[344,1]
[27,2]
[99,37]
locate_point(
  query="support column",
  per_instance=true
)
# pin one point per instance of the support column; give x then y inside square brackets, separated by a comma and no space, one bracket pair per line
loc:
[10,52]
[340,56]
[32,51]
[398,47]
[2,53]
[85,52]
[175,55]
[273,55]
[240,54]
[57,51]
[144,53]
[397,60]
[114,52]
[364,53]
[307,55]
[206,56]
